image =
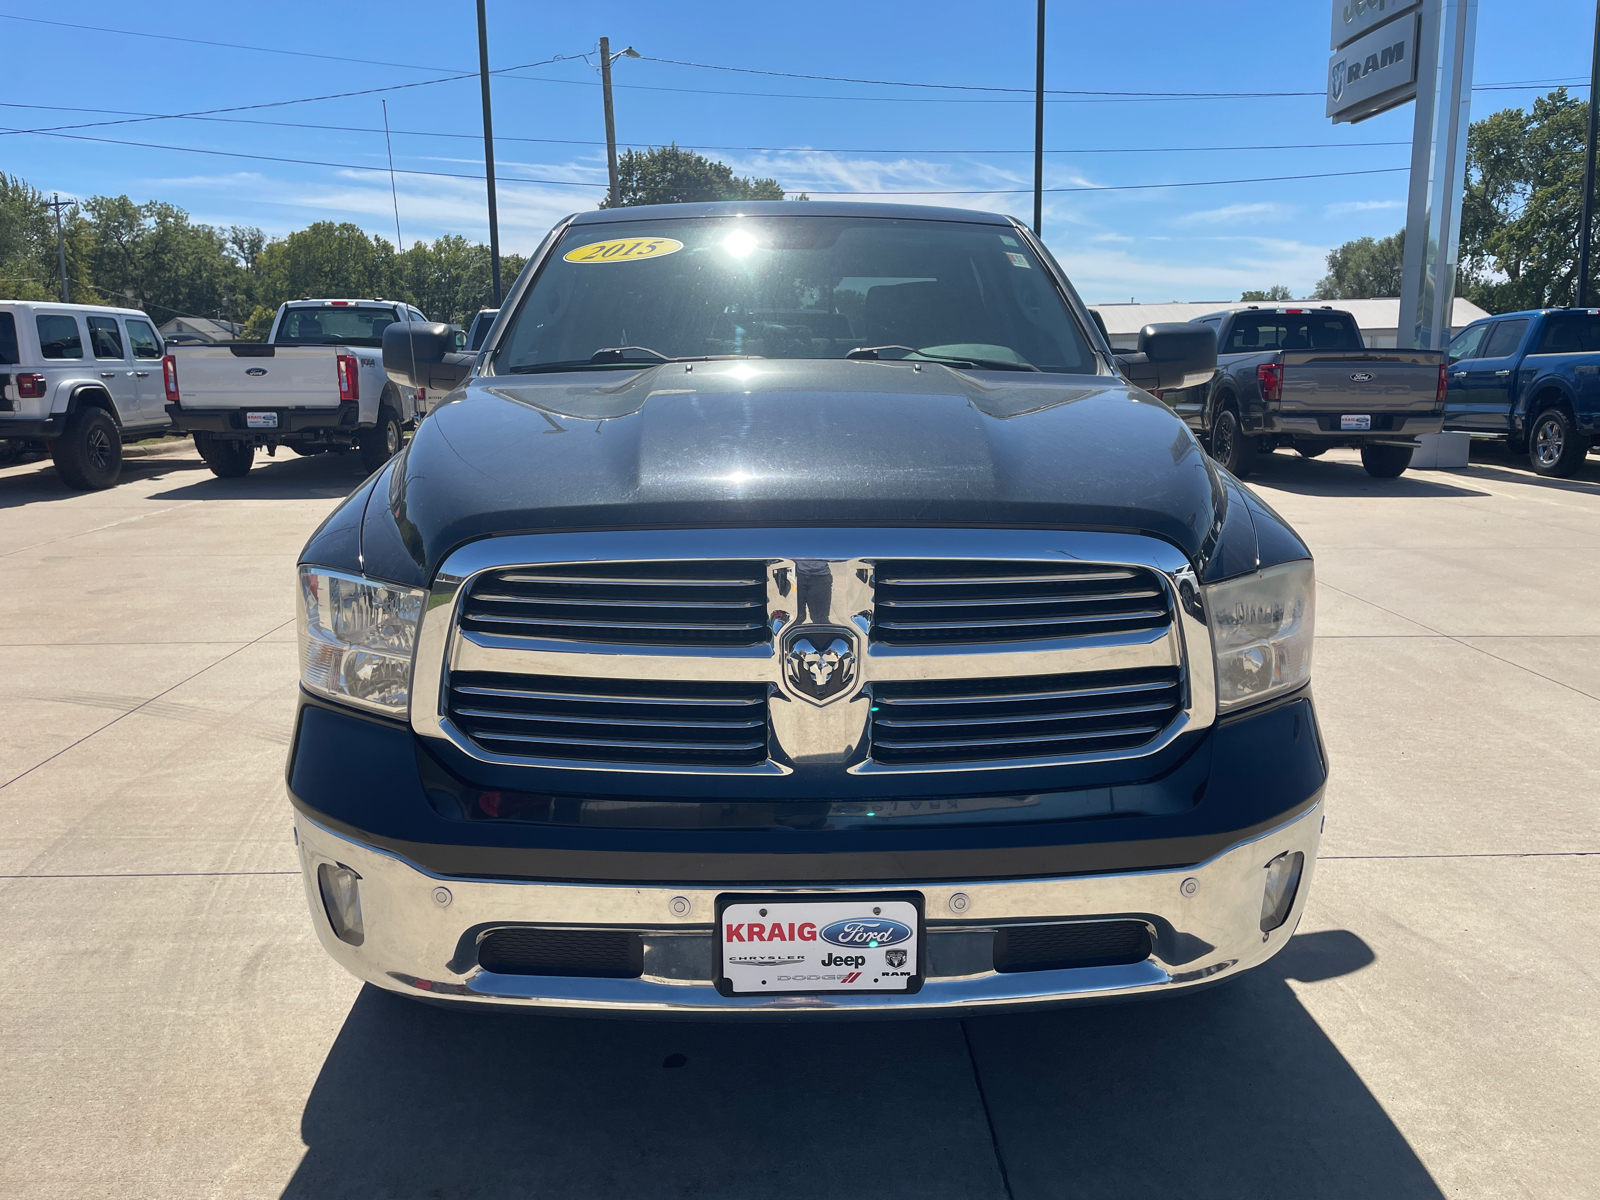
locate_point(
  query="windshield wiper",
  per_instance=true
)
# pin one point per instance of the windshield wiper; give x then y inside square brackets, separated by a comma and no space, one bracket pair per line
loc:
[871,354]
[617,356]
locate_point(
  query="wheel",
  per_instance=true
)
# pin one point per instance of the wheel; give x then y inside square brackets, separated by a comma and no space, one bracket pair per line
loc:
[88,454]
[228,458]
[1230,446]
[1386,462]
[1554,446]
[382,442]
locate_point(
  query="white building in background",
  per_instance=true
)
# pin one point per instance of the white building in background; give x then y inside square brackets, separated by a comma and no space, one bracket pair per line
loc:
[199,330]
[1378,319]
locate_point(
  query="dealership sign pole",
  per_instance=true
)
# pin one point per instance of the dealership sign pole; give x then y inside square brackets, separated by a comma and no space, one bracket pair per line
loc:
[1387,53]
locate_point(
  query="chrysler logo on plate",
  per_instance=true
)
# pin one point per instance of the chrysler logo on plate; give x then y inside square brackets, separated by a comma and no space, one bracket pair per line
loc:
[819,662]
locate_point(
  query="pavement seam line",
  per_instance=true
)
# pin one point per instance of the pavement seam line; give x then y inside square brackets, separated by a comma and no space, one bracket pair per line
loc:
[99,528]
[122,716]
[988,1117]
[1458,641]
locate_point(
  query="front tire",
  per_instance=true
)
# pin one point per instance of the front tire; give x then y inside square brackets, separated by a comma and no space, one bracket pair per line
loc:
[1386,462]
[1555,447]
[382,442]
[88,454]
[228,458]
[1230,446]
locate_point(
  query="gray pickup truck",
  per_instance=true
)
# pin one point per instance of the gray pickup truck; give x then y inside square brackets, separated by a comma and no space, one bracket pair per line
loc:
[1303,378]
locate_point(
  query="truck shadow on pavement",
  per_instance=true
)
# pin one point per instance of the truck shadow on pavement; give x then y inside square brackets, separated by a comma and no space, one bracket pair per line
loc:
[1317,477]
[289,478]
[1232,1092]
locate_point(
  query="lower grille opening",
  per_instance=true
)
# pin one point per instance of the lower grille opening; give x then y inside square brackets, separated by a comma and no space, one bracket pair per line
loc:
[594,953]
[1020,948]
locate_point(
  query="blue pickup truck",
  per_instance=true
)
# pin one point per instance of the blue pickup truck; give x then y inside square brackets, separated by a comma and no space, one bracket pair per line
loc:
[1532,378]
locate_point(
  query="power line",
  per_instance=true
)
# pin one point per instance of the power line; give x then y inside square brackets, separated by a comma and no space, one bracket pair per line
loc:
[814,191]
[500,137]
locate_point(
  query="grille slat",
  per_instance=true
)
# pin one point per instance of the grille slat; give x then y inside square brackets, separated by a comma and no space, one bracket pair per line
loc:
[591,953]
[1064,946]
[611,720]
[1033,717]
[931,601]
[707,604]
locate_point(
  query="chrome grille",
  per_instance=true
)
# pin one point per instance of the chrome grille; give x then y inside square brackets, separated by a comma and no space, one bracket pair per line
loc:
[942,602]
[708,604]
[612,720]
[1033,716]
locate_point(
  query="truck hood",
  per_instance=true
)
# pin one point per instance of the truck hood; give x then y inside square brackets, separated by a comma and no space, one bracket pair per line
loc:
[782,442]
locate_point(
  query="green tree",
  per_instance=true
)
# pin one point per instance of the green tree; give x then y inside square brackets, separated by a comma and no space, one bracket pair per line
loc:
[27,243]
[1276,292]
[152,256]
[1521,207]
[326,259]
[668,175]
[1364,268]
[450,279]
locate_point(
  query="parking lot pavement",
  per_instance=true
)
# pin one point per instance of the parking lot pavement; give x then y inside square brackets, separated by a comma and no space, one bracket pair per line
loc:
[172,1029]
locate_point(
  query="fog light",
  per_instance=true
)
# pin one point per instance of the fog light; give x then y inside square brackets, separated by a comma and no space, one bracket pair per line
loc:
[341,898]
[1283,881]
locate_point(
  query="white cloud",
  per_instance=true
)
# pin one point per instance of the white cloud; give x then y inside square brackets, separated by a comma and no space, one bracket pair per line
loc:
[1108,274]
[1236,214]
[1352,206]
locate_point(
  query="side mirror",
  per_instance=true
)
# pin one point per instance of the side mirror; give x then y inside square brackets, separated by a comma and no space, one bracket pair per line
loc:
[1172,355]
[424,354]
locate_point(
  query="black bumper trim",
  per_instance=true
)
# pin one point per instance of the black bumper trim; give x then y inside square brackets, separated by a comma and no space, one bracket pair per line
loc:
[229,422]
[32,427]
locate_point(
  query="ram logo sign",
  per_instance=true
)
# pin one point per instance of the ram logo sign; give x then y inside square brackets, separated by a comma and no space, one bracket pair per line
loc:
[1374,73]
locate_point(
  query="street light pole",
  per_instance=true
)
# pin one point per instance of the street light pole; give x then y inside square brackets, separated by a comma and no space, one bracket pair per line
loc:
[58,204]
[611,124]
[1585,222]
[1038,130]
[488,151]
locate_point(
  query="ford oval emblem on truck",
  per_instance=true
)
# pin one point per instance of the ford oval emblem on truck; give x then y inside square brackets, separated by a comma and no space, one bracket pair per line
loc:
[255,371]
[1362,377]
[866,931]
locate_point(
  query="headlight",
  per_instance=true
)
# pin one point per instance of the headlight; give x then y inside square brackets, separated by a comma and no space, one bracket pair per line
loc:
[1261,628]
[356,638]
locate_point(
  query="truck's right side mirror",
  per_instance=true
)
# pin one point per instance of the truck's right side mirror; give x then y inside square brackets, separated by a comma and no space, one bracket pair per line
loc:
[1174,354]
[424,354]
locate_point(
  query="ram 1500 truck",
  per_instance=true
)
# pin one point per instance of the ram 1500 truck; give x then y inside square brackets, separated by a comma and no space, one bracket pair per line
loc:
[316,384]
[800,609]
[1532,378]
[1303,377]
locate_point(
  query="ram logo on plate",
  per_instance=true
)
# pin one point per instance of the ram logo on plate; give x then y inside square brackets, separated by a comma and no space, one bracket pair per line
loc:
[866,931]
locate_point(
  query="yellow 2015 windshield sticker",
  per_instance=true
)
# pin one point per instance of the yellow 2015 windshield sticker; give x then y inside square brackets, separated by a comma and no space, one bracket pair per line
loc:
[623,250]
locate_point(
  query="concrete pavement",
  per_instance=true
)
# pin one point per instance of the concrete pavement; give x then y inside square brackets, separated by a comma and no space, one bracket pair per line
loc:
[172,1029]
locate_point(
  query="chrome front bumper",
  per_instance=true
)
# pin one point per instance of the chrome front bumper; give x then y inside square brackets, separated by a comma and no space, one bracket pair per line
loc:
[421,931]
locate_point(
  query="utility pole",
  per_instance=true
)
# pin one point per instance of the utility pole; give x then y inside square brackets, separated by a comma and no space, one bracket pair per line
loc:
[611,124]
[488,151]
[1038,130]
[58,204]
[606,59]
[1585,223]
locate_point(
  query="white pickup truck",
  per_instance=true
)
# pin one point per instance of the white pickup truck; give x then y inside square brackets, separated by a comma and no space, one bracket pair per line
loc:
[316,384]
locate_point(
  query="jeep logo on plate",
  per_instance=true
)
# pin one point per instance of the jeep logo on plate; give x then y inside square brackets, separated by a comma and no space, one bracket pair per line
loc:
[866,931]
[257,371]
[1362,377]
[819,661]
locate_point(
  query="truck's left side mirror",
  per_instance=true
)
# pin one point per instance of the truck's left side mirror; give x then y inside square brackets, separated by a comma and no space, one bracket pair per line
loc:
[424,354]
[1175,354]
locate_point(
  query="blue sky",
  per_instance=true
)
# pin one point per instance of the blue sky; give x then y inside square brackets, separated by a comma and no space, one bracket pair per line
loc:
[1157,244]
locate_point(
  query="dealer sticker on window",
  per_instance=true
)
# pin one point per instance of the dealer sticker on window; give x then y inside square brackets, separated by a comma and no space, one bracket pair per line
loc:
[623,250]
[1364,421]
[776,946]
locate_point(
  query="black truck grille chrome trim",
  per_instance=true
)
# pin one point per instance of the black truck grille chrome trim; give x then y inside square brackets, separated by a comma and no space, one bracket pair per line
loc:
[943,602]
[1059,947]
[592,953]
[710,604]
[613,720]
[1034,716]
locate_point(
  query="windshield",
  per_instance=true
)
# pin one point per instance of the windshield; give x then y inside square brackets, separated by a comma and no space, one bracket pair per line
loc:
[1293,331]
[318,325]
[793,287]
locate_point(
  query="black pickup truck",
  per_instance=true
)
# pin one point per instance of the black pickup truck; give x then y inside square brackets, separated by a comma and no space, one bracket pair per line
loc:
[800,609]
[1303,377]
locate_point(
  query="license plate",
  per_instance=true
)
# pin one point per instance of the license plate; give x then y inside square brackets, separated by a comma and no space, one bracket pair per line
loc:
[865,943]
[1361,422]
[260,420]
